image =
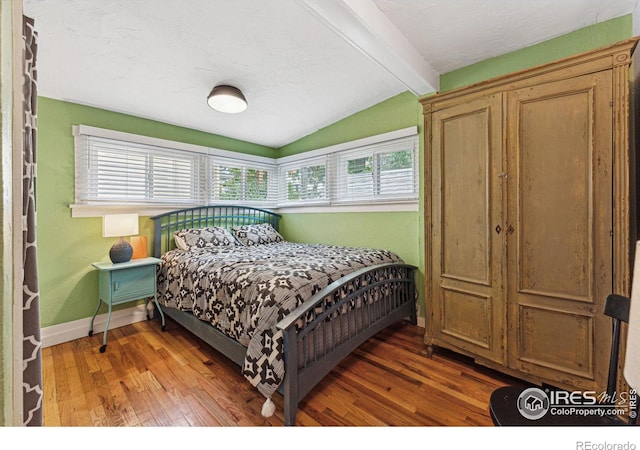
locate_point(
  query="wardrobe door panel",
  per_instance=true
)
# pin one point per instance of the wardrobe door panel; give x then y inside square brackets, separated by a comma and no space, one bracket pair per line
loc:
[466,211]
[545,343]
[560,219]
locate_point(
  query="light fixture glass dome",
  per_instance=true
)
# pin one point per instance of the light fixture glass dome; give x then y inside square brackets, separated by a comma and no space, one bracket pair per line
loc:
[227,99]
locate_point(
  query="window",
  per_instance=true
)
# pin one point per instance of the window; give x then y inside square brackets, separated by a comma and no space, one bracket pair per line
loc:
[236,181]
[126,170]
[380,169]
[303,182]
[384,172]
[109,170]
[120,169]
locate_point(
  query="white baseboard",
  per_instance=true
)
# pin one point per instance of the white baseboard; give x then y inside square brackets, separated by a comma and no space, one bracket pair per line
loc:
[64,332]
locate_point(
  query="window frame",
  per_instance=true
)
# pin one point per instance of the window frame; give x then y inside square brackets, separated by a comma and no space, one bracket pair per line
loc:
[303,165]
[86,204]
[330,157]
[408,192]
[378,144]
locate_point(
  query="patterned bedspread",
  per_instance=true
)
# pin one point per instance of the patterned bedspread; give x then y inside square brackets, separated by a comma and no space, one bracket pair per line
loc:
[245,291]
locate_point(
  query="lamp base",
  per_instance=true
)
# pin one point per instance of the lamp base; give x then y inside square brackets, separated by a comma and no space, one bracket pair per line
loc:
[121,252]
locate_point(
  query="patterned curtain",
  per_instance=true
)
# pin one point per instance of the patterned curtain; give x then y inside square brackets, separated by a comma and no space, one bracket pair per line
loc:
[31,344]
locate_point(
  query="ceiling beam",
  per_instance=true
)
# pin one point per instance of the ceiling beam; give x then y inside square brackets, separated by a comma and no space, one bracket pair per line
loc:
[363,25]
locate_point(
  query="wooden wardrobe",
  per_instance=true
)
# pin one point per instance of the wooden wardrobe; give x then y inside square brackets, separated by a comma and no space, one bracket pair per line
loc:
[529,222]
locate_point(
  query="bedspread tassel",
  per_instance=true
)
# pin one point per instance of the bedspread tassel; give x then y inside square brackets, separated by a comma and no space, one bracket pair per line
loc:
[268,408]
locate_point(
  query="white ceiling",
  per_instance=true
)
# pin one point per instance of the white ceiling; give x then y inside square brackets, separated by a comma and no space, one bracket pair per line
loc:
[302,64]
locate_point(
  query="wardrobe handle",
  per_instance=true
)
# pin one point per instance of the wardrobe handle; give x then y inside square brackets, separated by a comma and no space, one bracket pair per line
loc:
[510,230]
[498,228]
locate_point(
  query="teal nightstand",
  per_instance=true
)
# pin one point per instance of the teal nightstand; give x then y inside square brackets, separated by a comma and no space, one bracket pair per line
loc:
[126,282]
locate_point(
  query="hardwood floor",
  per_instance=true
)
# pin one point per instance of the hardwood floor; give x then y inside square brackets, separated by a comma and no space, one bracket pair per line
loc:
[150,378]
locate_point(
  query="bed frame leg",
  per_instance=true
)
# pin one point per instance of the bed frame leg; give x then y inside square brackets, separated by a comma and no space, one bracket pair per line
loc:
[412,288]
[290,382]
[289,413]
[414,316]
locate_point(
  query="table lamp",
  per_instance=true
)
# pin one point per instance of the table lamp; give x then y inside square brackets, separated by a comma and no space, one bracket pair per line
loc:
[120,225]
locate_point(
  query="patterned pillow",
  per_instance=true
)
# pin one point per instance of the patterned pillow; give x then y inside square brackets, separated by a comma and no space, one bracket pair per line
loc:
[259,234]
[204,237]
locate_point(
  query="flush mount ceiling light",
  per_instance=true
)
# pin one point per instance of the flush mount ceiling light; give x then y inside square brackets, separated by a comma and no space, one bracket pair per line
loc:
[227,99]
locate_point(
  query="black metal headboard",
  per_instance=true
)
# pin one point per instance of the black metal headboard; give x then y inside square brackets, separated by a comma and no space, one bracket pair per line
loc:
[225,216]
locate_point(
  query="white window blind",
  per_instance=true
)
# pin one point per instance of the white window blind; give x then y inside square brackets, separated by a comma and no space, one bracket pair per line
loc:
[304,181]
[381,172]
[116,171]
[109,170]
[120,169]
[235,181]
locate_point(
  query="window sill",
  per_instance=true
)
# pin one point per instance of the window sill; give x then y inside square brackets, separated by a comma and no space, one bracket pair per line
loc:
[142,210]
[78,210]
[412,206]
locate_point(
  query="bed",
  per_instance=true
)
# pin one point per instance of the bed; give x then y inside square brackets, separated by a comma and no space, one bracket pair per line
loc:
[231,279]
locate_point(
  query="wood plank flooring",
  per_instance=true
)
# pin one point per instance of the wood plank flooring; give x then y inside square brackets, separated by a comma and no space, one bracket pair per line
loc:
[148,378]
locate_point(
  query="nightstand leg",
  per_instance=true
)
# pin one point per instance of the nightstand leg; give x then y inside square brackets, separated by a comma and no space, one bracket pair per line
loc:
[93,318]
[106,328]
[155,300]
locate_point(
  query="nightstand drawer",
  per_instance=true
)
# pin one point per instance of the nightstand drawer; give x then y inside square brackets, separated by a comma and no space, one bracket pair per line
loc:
[135,282]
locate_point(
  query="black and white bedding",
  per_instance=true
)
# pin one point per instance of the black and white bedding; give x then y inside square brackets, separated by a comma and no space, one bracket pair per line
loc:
[244,286]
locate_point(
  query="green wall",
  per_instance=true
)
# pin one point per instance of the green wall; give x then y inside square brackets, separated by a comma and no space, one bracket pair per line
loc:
[399,232]
[67,246]
[392,114]
[598,35]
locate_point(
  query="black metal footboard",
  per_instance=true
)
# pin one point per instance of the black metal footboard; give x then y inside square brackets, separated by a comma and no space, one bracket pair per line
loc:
[334,322]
